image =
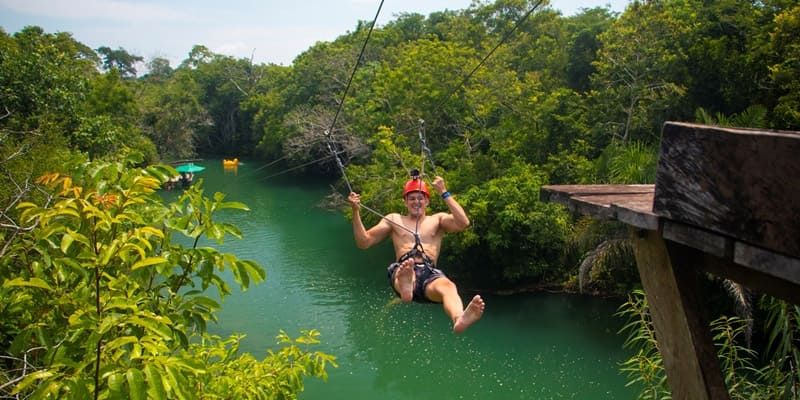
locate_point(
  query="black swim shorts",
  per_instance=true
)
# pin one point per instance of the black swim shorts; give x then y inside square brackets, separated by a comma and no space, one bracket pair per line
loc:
[424,275]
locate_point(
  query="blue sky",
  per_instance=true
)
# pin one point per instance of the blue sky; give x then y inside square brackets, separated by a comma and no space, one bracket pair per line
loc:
[273,31]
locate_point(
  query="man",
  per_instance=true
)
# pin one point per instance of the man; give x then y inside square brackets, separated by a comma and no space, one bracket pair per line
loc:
[415,276]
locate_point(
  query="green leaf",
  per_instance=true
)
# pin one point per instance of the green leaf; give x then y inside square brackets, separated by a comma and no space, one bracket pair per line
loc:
[33,378]
[177,381]
[255,270]
[136,384]
[116,384]
[66,241]
[234,205]
[241,275]
[155,387]
[121,341]
[148,262]
[153,326]
[108,251]
[33,282]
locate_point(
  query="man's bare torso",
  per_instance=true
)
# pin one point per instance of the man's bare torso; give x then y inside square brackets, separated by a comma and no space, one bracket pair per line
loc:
[429,231]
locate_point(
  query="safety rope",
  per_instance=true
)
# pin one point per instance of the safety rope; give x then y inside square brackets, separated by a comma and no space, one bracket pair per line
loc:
[420,127]
[332,148]
[331,143]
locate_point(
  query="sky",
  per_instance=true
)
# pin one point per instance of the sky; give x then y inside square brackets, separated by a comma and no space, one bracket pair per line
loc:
[269,31]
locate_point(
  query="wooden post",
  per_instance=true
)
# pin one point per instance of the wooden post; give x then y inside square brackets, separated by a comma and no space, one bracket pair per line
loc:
[684,338]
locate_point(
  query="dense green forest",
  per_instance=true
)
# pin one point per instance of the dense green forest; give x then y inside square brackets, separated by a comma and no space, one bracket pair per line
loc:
[505,101]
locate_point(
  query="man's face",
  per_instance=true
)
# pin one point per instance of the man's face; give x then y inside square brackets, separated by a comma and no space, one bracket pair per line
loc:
[416,203]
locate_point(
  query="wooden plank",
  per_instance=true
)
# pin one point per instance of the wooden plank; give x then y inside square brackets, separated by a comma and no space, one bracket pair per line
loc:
[768,262]
[684,339]
[747,276]
[598,206]
[631,204]
[637,211]
[561,193]
[742,183]
[706,241]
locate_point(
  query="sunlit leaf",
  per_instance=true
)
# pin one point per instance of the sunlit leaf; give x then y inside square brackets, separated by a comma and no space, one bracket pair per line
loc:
[136,384]
[148,262]
[33,282]
[234,205]
[155,386]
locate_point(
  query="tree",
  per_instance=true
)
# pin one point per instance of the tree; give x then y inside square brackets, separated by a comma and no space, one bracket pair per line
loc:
[269,107]
[641,74]
[585,29]
[173,115]
[225,84]
[101,301]
[785,67]
[511,230]
[120,60]
[43,81]
[198,55]
[158,69]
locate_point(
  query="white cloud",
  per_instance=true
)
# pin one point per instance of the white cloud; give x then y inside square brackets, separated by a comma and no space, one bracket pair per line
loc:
[279,45]
[109,10]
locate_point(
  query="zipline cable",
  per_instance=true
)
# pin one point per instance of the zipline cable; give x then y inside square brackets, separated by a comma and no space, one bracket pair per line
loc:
[355,67]
[438,106]
[486,57]
[299,166]
[503,40]
[329,131]
[420,127]
[330,143]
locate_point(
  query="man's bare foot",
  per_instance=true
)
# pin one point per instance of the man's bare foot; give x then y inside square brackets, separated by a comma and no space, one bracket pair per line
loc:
[404,280]
[472,314]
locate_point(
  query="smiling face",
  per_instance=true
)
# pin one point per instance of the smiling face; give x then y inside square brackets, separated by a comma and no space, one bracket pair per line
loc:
[416,203]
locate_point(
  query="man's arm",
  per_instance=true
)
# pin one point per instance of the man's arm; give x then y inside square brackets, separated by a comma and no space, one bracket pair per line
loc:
[366,238]
[456,220]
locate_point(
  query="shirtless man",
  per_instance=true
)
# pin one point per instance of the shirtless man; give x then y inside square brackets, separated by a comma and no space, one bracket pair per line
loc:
[414,276]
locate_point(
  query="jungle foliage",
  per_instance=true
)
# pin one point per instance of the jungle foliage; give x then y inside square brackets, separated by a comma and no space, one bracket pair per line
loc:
[564,99]
[102,300]
[748,374]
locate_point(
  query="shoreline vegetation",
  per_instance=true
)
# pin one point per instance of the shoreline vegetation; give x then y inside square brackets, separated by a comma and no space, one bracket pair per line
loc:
[562,100]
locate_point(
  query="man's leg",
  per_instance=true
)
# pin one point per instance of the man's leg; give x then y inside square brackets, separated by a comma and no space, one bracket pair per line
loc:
[404,280]
[444,290]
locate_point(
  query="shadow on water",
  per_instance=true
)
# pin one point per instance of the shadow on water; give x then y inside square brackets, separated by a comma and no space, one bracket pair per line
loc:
[532,346]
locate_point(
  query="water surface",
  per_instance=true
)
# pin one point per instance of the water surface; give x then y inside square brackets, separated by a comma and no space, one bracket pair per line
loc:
[531,346]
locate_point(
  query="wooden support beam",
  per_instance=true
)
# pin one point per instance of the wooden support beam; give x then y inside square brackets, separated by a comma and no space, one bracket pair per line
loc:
[684,339]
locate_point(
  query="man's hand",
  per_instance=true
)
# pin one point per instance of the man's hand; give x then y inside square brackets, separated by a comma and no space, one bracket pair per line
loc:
[438,183]
[355,200]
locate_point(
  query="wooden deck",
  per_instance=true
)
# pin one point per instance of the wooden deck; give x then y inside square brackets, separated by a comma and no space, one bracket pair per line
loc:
[726,202]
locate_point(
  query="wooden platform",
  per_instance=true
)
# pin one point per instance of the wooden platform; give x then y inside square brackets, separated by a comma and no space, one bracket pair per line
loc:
[726,202]
[759,268]
[632,204]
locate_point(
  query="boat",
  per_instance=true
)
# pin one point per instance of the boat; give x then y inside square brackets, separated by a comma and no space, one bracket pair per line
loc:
[230,163]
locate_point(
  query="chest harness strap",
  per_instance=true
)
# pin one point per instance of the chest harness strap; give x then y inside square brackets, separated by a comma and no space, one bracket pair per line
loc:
[417,251]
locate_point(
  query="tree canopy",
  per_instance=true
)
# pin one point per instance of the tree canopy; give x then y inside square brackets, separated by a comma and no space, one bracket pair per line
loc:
[506,101]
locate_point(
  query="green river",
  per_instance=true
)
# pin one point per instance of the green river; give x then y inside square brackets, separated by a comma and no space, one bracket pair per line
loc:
[527,346]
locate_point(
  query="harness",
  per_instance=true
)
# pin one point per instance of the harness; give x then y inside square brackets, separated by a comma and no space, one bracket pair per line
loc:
[417,251]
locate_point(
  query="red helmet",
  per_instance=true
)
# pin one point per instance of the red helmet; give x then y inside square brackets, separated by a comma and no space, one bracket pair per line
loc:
[416,185]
